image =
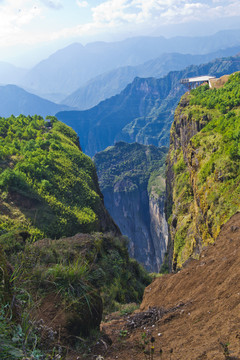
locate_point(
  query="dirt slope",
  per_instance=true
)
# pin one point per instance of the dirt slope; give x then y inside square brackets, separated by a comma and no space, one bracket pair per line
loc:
[193,314]
[217,83]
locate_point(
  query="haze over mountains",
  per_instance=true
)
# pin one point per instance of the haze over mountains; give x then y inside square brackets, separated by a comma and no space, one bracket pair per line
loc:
[10,74]
[71,67]
[111,83]
[142,112]
[16,101]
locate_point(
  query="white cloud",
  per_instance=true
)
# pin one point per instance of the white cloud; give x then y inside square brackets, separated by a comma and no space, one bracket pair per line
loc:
[13,20]
[82,3]
[164,11]
[52,4]
[120,15]
[27,22]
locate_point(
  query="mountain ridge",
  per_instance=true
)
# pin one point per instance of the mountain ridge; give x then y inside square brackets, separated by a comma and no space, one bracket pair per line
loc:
[16,101]
[69,71]
[113,82]
[11,74]
[142,112]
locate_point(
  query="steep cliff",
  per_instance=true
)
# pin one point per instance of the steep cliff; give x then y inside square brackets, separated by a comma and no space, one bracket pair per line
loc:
[158,227]
[203,167]
[131,178]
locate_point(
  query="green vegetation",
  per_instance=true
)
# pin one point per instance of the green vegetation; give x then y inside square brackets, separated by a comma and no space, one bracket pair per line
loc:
[223,99]
[78,279]
[132,166]
[85,265]
[207,181]
[55,290]
[156,182]
[48,186]
[19,336]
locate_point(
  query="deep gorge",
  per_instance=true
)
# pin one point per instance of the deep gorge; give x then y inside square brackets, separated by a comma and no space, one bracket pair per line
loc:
[132,180]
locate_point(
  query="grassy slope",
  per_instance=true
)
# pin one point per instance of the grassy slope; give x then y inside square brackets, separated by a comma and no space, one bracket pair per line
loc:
[48,186]
[59,290]
[207,171]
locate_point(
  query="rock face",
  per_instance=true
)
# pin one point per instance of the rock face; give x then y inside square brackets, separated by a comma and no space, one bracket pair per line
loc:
[202,169]
[142,219]
[158,227]
[135,198]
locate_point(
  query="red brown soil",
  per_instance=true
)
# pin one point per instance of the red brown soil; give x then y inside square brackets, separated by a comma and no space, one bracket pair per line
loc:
[220,82]
[199,310]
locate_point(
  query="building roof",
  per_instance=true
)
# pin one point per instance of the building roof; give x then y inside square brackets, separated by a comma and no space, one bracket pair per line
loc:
[197,79]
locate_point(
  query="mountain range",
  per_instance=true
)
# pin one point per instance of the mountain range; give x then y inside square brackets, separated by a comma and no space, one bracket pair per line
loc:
[69,68]
[113,82]
[142,112]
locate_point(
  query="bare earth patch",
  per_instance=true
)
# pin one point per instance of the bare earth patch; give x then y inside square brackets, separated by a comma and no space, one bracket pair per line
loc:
[192,315]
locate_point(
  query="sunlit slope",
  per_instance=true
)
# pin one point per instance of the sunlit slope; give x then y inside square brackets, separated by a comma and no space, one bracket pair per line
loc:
[48,186]
[203,167]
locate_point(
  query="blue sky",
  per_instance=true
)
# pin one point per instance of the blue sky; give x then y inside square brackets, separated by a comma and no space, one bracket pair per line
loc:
[35,28]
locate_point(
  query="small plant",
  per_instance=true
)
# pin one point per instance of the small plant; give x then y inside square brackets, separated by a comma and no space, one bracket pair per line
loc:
[129,309]
[123,334]
[100,357]
[147,344]
[21,341]
[144,341]
[226,351]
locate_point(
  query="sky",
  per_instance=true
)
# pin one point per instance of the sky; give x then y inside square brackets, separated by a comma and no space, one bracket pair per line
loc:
[33,29]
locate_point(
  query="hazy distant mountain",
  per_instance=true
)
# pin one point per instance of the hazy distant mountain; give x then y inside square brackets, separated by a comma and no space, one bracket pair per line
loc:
[10,74]
[106,85]
[101,87]
[15,101]
[142,112]
[69,68]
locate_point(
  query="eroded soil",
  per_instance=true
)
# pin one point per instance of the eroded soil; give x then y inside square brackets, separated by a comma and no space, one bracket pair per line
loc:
[193,314]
